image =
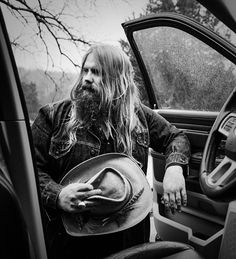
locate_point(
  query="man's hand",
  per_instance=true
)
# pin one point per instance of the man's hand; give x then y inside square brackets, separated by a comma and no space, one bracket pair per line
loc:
[72,197]
[174,193]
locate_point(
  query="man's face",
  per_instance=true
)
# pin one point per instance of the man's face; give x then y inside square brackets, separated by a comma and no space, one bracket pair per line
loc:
[90,72]
[89,94]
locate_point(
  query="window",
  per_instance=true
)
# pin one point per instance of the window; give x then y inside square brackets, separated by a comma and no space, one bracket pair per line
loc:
[185,72]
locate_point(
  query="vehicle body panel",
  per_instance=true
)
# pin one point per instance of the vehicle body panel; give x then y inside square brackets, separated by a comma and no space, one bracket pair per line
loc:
[17,152]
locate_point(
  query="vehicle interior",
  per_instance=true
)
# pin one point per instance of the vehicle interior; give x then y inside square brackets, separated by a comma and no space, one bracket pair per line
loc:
[207,223]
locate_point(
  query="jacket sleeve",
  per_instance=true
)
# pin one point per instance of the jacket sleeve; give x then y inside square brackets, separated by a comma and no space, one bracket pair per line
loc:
[41,131]
[167,139]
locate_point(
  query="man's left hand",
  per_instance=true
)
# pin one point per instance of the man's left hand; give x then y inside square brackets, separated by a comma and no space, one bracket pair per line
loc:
[174,193]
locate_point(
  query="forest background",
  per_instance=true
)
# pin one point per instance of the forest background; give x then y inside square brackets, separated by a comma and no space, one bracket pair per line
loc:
[44,85]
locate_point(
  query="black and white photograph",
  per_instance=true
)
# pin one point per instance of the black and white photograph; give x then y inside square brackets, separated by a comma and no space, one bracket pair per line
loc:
[118,129]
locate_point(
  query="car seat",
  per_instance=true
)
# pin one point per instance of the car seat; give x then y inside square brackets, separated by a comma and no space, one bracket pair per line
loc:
[156,250]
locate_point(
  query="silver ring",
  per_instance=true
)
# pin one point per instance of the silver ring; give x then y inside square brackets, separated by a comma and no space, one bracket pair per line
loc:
[81,204]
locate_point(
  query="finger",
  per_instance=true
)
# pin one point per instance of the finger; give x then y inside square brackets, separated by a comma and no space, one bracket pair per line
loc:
[82,206]
[88,194]
[89,204]
[172,202]
[184,197]
[165,200]
[83,187]
[178,201]
[82,195]
[162,200]
[75,205]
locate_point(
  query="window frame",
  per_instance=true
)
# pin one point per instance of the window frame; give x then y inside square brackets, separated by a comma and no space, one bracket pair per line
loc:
[180,22]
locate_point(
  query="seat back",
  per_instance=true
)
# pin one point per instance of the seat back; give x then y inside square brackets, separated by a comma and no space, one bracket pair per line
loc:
[154,250]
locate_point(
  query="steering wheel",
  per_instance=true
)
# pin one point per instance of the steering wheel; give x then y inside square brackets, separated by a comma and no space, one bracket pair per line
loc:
[219,180]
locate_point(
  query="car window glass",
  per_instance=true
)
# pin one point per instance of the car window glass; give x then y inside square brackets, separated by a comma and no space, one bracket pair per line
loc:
[185,72]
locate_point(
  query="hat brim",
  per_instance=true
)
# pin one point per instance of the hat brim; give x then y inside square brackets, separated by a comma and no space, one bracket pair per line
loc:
[129,168]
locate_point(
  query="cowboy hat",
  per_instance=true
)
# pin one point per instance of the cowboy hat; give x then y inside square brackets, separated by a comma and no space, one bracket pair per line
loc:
[126,197]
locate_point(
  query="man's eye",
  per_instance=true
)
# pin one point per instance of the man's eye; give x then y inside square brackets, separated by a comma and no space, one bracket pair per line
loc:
[95,71]
[85,70]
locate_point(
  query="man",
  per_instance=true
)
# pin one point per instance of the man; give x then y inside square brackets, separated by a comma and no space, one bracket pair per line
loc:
[103,115]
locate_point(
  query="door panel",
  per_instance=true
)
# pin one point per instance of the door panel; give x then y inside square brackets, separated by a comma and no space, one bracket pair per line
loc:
[196,125]
[16,147]
[188,71]
[201,222]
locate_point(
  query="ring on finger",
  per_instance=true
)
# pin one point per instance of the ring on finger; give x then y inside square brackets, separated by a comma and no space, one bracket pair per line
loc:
[81,204]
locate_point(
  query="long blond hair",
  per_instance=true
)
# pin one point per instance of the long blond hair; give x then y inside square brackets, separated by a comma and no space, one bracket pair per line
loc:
[119,95]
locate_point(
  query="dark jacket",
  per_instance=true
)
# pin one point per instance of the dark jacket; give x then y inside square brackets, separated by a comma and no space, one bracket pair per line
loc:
[55,157]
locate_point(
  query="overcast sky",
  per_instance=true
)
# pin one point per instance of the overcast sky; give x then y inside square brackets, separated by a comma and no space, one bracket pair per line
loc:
[102,23]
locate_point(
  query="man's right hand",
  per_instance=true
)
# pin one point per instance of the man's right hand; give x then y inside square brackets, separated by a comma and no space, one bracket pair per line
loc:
[72,197]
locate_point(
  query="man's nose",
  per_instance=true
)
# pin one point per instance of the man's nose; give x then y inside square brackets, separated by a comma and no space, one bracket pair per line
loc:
[88,77]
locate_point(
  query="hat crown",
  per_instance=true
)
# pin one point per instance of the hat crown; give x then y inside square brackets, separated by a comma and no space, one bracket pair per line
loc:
[116,191]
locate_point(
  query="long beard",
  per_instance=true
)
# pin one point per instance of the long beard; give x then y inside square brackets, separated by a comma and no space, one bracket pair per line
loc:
[89,108]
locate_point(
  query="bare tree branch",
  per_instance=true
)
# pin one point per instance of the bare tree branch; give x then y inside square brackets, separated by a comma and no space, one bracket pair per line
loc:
[39,16]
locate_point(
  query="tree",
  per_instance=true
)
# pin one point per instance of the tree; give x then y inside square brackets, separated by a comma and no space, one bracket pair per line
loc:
[47,30]
[188,8]
[45,21]
[31,99]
